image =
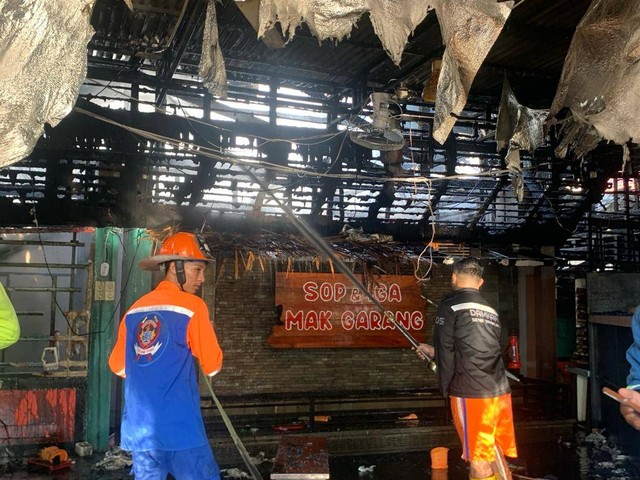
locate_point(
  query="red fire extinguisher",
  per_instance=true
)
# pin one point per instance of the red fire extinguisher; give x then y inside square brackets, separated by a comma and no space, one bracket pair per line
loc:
[514,352]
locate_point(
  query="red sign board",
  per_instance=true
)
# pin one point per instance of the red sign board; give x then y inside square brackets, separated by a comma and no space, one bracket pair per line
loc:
[322,310]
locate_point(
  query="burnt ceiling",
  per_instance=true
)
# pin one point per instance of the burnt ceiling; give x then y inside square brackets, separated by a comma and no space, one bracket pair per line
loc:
[147,145]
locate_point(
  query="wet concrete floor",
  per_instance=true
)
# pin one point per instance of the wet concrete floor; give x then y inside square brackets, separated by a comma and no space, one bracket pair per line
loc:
[587,457]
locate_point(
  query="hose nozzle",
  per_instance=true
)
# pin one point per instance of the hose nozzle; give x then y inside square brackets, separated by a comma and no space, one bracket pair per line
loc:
[431,363]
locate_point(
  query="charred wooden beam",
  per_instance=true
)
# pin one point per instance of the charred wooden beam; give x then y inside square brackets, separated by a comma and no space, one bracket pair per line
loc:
[188,25]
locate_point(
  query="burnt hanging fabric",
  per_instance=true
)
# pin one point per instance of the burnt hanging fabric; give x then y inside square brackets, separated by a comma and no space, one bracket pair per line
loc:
[392,20]
[43,62]
[518,128]
[600,79]
[469,30]
[212,68]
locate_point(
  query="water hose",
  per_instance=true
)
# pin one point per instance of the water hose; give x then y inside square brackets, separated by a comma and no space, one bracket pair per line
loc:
[234,435]
[325,248]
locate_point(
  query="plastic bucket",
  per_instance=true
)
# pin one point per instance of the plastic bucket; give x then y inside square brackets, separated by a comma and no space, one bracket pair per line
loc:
[439,457]
[439,474]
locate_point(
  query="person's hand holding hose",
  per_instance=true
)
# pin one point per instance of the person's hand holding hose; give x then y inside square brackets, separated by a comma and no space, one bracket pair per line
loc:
[426,352]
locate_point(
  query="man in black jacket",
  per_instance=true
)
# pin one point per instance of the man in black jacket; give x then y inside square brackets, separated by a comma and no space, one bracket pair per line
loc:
[471,372]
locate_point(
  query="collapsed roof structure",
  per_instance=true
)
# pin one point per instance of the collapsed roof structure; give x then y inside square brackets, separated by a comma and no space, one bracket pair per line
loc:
[493,123]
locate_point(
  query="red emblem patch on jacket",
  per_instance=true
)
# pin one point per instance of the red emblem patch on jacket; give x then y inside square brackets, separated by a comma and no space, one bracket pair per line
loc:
[147,337]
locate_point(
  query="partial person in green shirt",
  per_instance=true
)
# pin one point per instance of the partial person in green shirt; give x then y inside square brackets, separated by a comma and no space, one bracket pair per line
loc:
[9,326]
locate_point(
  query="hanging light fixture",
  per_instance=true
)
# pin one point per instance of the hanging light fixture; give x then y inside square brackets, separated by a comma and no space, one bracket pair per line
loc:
[431,83]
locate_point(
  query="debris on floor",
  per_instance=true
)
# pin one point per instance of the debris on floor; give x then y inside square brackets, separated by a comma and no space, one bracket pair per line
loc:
[261,458]
[9,462]
[114,460]
[362,470]
[603,459]
[410,420]
[234,473]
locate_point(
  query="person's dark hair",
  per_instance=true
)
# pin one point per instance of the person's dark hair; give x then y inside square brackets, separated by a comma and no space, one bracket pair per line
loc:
[468,266]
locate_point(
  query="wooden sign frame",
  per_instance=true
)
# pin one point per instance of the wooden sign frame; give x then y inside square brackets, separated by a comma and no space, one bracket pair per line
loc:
[324,310]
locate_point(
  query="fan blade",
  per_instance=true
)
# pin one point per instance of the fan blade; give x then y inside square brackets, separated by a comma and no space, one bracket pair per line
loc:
[378,140]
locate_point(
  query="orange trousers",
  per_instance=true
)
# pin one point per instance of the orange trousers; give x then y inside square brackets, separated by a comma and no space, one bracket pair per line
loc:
[483,423]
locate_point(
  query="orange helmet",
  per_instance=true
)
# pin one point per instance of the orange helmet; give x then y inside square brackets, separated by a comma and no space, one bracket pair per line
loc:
[180,246]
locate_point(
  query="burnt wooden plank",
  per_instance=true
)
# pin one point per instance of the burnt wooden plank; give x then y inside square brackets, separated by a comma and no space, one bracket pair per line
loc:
[301,457]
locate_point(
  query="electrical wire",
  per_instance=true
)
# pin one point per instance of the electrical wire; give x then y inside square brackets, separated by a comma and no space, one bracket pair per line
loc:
[425,276]
[55,297]
[305,173]
[302,173]
[262,190]
[300,140]
[253,163]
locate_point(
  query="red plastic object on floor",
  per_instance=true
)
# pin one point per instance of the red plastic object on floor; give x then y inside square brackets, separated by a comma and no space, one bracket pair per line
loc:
[289,427]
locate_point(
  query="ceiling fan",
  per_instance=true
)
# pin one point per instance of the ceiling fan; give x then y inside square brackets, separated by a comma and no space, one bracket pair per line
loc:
[383,133]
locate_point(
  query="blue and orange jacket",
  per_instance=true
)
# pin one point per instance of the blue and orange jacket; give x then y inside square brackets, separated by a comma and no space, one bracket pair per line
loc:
[157,340]
[633,353]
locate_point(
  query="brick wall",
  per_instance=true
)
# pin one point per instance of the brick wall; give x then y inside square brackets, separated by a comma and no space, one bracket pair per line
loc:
[244,313]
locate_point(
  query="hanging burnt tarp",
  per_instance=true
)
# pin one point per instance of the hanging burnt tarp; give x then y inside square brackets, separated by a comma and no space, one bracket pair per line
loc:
[43,62]
[469,29]
[518,128]
[212,68]
[600,82]
[392,20]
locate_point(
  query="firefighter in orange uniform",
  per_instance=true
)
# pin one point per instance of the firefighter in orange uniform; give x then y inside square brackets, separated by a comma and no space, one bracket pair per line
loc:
[158,338]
